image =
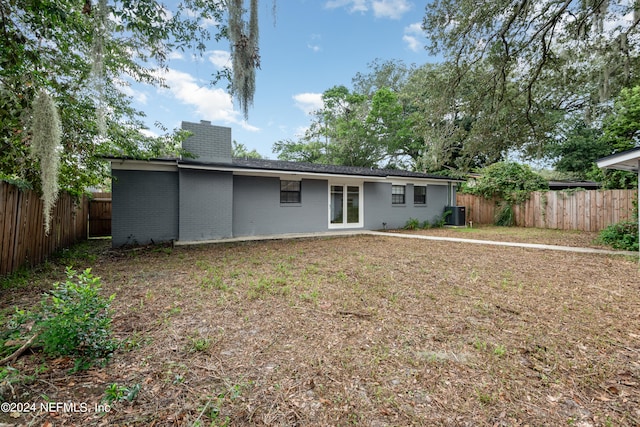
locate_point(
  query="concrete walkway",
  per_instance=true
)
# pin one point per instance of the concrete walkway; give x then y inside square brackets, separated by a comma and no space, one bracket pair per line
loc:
[412,236]
[511,244]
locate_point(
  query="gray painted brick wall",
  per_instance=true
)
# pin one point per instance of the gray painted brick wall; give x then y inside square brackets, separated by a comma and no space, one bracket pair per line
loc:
[144,207]
[257,209]
[206,199]
[208,143]
[379,209]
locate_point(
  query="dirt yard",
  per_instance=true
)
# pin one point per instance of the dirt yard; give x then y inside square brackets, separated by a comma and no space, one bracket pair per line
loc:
[368,330]
[517,235]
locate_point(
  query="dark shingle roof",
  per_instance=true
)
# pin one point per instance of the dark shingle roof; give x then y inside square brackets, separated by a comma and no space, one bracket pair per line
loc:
[279,165]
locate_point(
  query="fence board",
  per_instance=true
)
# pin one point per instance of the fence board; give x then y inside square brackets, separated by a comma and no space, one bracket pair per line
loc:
[22,238]
[100,215]
[591,210]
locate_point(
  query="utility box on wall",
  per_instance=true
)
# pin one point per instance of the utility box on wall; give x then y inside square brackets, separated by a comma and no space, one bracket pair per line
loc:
[456,215]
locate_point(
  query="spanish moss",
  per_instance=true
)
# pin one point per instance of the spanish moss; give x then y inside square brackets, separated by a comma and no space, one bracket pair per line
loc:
[101,33]
[245,52]
[46,133]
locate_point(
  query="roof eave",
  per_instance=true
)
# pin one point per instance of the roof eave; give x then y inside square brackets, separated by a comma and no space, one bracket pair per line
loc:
[257,171]
[627,161]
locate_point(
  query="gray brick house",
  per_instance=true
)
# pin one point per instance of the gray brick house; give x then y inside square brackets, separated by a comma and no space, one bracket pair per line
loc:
[215,196]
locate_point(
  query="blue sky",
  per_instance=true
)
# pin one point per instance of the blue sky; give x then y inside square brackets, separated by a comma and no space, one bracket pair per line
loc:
[308,47]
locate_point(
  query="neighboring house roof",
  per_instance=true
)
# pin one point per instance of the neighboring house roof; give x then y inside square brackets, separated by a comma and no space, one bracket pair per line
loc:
[626,160]
[555,185]
[565,185]
[249,166]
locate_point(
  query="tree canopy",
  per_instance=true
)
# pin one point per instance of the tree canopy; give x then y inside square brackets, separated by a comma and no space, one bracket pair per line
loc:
[371,125]
[509,181]
[542,61]
[83,53]
[410,117]
[240,151]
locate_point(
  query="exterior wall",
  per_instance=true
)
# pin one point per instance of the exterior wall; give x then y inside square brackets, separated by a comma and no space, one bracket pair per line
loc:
[205,205]
[257,209]
[208,143]
[144,207]
[378,207]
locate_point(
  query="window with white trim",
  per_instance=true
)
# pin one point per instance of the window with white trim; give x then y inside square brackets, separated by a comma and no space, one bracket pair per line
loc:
[397,194]
[419,194]
[290,191]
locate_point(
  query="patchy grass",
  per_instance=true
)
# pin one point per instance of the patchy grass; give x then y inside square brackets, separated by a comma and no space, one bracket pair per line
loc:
[544,236]
[363,330]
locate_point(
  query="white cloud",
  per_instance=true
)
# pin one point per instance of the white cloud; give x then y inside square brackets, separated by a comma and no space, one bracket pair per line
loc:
[212,104]
[137,95]
[308,102]
[300,131]
[149,133]
[414,37]
[393,9]
[352,5]
[174,54]
[314,43]
[220,58]
[209,22]
[205,22]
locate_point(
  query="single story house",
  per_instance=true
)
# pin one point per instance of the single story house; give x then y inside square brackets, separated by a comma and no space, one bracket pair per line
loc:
[215,196]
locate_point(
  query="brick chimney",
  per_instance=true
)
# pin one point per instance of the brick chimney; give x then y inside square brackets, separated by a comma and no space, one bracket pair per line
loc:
[207,142]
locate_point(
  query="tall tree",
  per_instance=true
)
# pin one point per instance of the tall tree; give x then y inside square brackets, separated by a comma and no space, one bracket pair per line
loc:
[340,126]
[241,151]
[81,52]
[391,74]
[370,125]
[539,57]
[621,132]
[622,126]
[578,148]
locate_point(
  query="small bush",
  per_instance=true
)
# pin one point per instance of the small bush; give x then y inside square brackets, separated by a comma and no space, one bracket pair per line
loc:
[75,319]
[441,221]
[506,216]
[119,393]
[623,235]
[412,224]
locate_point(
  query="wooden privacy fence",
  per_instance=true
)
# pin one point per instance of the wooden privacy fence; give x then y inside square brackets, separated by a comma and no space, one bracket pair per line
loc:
[22,238]
[591,210]
[100,215]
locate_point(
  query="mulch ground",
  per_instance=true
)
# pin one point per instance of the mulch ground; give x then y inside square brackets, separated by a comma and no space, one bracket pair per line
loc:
[517,235]
[366,330]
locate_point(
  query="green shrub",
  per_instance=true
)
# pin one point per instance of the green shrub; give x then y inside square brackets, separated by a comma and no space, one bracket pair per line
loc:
[509,181]
[506,216]
[119,393]
[623,235]
[412,224]
[441,221]
[75,319]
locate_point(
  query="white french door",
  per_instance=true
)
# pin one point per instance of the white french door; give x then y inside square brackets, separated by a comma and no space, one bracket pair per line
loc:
[345,205]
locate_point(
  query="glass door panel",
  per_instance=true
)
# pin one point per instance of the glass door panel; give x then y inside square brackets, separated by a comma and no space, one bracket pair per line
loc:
[337,202]
[353,206]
